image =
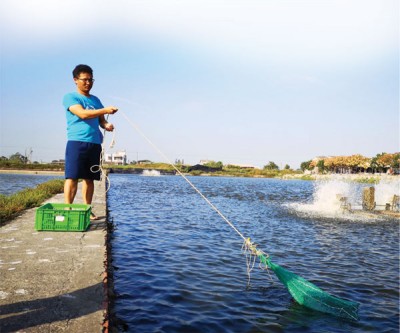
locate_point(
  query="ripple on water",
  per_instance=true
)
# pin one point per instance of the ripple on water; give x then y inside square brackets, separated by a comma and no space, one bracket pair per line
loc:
[180,268]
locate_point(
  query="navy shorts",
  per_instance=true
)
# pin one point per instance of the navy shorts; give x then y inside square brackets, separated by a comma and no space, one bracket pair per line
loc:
[82,160]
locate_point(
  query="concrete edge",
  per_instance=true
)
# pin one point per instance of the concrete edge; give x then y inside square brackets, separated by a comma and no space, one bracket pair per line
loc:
[109,322]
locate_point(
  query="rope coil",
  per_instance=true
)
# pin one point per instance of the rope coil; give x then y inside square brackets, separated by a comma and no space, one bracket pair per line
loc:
[251,253]
[99,167]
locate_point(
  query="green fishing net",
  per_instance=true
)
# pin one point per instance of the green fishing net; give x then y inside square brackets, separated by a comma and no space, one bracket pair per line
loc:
[306,293]
[309,295]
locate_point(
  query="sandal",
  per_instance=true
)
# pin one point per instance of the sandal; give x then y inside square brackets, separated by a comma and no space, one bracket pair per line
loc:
[93,217]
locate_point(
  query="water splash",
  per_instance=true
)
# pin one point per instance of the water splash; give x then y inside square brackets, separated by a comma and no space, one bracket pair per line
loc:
[338,198]
[151,173]
[385,191]
[326,199]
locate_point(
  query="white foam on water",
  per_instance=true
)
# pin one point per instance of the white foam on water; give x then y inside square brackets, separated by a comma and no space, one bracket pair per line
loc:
[385,190]
[151,173]
[326,199]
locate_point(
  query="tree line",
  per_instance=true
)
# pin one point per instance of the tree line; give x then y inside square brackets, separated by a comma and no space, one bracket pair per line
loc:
[336,164]
[354,163]
[20,161]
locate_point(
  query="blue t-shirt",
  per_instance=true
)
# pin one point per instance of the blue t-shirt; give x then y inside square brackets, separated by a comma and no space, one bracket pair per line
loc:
[86,130]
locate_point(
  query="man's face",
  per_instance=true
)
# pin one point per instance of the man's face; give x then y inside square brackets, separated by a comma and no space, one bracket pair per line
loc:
[84,82]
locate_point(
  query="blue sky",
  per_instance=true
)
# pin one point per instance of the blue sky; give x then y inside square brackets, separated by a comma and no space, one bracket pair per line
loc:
[243,82]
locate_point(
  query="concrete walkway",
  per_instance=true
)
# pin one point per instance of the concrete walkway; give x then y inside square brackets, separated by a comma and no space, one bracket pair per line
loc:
[53,281]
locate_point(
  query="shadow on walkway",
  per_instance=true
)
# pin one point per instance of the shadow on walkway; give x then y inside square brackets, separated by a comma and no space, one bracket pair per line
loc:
[25,314]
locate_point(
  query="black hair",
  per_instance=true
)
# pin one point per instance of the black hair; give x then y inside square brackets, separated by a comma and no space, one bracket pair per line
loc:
[81,69]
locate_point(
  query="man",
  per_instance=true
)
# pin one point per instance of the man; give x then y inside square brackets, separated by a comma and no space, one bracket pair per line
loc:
[85,114]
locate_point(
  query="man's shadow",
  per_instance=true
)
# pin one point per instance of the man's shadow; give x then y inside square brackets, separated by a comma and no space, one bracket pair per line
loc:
[25,314]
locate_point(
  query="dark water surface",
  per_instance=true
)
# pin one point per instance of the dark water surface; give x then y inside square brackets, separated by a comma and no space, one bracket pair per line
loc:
[179,266]
[12,183]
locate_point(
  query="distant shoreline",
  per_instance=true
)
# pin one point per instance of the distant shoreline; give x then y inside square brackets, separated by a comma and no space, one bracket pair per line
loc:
[31,172]
[318,177]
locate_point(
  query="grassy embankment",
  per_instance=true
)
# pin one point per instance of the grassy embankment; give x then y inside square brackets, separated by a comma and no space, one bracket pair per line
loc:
[12,205]
[10,165]
[232,171]
[229,171]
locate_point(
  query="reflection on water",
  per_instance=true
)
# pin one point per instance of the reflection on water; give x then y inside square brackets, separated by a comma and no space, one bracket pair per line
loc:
[179,266]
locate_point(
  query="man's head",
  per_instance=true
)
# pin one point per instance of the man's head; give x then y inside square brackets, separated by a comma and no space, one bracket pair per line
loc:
[83,77]
[81,69]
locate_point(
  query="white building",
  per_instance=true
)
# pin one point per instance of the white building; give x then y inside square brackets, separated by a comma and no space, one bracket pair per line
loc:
[118,158]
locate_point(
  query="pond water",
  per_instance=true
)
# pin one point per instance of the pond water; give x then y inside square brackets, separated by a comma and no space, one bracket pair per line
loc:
[12,183]
[179,266]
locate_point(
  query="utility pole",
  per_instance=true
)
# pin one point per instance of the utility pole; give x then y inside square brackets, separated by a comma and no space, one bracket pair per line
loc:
[28,156]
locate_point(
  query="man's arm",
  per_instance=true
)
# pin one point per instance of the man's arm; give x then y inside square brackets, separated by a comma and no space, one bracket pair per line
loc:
[105,124]
[78,110]
[102,121]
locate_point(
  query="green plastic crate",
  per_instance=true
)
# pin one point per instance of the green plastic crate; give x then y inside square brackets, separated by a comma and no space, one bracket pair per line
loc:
[63,217]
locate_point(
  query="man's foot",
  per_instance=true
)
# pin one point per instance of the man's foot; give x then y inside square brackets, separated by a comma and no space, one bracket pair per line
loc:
[93,217]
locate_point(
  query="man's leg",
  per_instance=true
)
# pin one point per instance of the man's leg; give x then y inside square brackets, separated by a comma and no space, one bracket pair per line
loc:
[87,191]
[70,188]
[87,194]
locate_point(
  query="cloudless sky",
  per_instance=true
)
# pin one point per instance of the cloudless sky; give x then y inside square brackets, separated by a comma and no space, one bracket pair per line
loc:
[238,81]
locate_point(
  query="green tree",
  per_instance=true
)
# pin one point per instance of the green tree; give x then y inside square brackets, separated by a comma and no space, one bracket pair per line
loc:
[376,162]
[396,161]
[18,158]
[287,167]
[321,166]
[271,166]
[305,165]
[213,164]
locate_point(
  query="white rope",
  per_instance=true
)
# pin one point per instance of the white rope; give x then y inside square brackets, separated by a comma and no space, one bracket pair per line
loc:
[250,261]
[181,174]
[251,253]
[99,167]
[249,249]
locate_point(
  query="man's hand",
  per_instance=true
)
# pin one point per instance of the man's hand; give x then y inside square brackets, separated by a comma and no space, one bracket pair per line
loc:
[111,109]
[109,127]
